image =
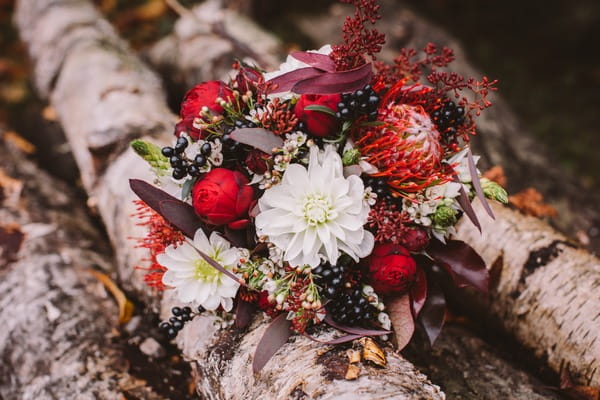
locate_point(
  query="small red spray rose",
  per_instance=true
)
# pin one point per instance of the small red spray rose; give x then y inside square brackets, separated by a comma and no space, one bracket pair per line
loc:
[318,123]
[392,269]
[223,197]
[202,95]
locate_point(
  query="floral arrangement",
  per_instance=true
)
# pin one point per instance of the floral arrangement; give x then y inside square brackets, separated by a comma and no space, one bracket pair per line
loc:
[325,192]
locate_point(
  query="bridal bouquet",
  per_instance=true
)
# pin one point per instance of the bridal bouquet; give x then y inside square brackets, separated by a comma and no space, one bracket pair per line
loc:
[326,191]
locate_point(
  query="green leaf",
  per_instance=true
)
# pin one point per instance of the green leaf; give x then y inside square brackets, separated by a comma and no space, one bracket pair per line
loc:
[186,190]
[346,125]
[323,109]
[372,123]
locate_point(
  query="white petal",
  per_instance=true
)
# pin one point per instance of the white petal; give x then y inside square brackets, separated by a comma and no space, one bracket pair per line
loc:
[201,241]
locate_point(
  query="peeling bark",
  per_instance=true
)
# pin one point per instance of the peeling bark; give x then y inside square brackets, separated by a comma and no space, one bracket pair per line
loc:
[104,96]
[57,339]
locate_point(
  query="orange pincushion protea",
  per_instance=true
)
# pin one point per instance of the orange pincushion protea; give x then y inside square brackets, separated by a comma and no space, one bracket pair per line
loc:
[406,149]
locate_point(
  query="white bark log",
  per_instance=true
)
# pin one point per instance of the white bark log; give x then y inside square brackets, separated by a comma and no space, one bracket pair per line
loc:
[57,339]
[548,292]
[104,97]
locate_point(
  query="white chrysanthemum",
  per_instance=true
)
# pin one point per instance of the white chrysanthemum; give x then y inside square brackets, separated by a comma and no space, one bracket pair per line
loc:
[316,213]
[194,279]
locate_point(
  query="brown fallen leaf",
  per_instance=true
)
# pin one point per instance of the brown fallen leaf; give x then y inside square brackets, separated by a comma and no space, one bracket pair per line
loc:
[496,174]
[353,372]
[372,352]
[10,190]
[125,306]
[11,239]
[570,390]
[19,142]
[531,202]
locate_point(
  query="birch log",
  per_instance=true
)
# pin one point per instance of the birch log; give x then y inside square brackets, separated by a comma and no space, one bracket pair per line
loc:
[548,293]
[104,97]
[56,340]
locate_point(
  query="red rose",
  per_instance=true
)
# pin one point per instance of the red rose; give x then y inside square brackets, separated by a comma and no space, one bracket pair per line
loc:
[318,123]
[223,197]
[204,94]
[415,240]
[392,269]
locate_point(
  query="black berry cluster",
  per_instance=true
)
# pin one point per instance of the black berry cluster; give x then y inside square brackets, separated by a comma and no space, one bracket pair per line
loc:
[180,316]
[182,165]
[329,278]
[448,117]
[380,187]
[364,101]
[351,307]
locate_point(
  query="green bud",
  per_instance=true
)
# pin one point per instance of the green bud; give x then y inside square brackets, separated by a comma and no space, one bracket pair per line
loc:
[444,216]
[492,190]
[351,157]
[151,153]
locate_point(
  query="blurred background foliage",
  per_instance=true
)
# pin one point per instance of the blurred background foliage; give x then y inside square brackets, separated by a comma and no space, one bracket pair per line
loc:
[546,55]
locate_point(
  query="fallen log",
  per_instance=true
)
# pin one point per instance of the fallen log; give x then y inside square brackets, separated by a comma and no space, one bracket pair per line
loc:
[546,293]
[104,97]
[56,341]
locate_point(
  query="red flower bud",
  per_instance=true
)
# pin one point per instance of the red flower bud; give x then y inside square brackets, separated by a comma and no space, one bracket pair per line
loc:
[223,197]
[318,123]
[248,79]
[256,161]
[204,94]
[392,269]
[415,240]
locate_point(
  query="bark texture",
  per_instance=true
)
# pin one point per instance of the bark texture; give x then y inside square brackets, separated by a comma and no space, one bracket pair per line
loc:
[105,97]
[547,290]
[57,339]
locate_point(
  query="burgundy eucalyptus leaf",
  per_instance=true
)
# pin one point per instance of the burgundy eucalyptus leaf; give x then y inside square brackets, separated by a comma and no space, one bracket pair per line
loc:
[465,204]
[286,82]
[433,313]
[355,330]
[400,312]
[339,340]
[150,194]
[275,336]
[218,266]
[243,313]
[477,184]
[317,60]
[418,293]
[237,237]
[462,262]
[182,216]
[258,138]
[336,82]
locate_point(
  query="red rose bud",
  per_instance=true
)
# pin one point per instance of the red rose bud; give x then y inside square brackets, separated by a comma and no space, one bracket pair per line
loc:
[392,269]
[223,197]
[202,95]
[248,79]
[415,240]
[318,123]
[256,161]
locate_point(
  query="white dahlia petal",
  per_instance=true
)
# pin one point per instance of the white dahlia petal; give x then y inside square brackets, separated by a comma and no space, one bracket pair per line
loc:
[196,281]
[316,212]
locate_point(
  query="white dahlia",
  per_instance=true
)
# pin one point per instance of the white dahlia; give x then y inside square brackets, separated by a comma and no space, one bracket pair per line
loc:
[317,213]
[195,280]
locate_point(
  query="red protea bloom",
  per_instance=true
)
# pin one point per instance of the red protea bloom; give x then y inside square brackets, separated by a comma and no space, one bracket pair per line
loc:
[406,148]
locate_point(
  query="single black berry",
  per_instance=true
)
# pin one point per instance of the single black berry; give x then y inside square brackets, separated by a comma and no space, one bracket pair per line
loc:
[179,173]
[200,160]
[176,311]
[167,151]
[206,149]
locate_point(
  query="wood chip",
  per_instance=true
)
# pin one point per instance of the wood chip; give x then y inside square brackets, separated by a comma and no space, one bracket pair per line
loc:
[353,355]
[19,142]
[125,306]
[353,372]
[531,202]
[372,352]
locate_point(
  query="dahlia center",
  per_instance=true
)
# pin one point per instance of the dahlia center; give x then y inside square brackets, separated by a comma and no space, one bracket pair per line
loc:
[317,209]
[203,271]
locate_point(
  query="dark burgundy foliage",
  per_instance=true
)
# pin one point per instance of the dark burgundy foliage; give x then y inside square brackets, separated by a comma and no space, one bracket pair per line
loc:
[243,313]
[462,262]
[275,336]
[355,330]
[316,60]
[347,81]
[432,315]
[258,138]
[418,293]
[467,207]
